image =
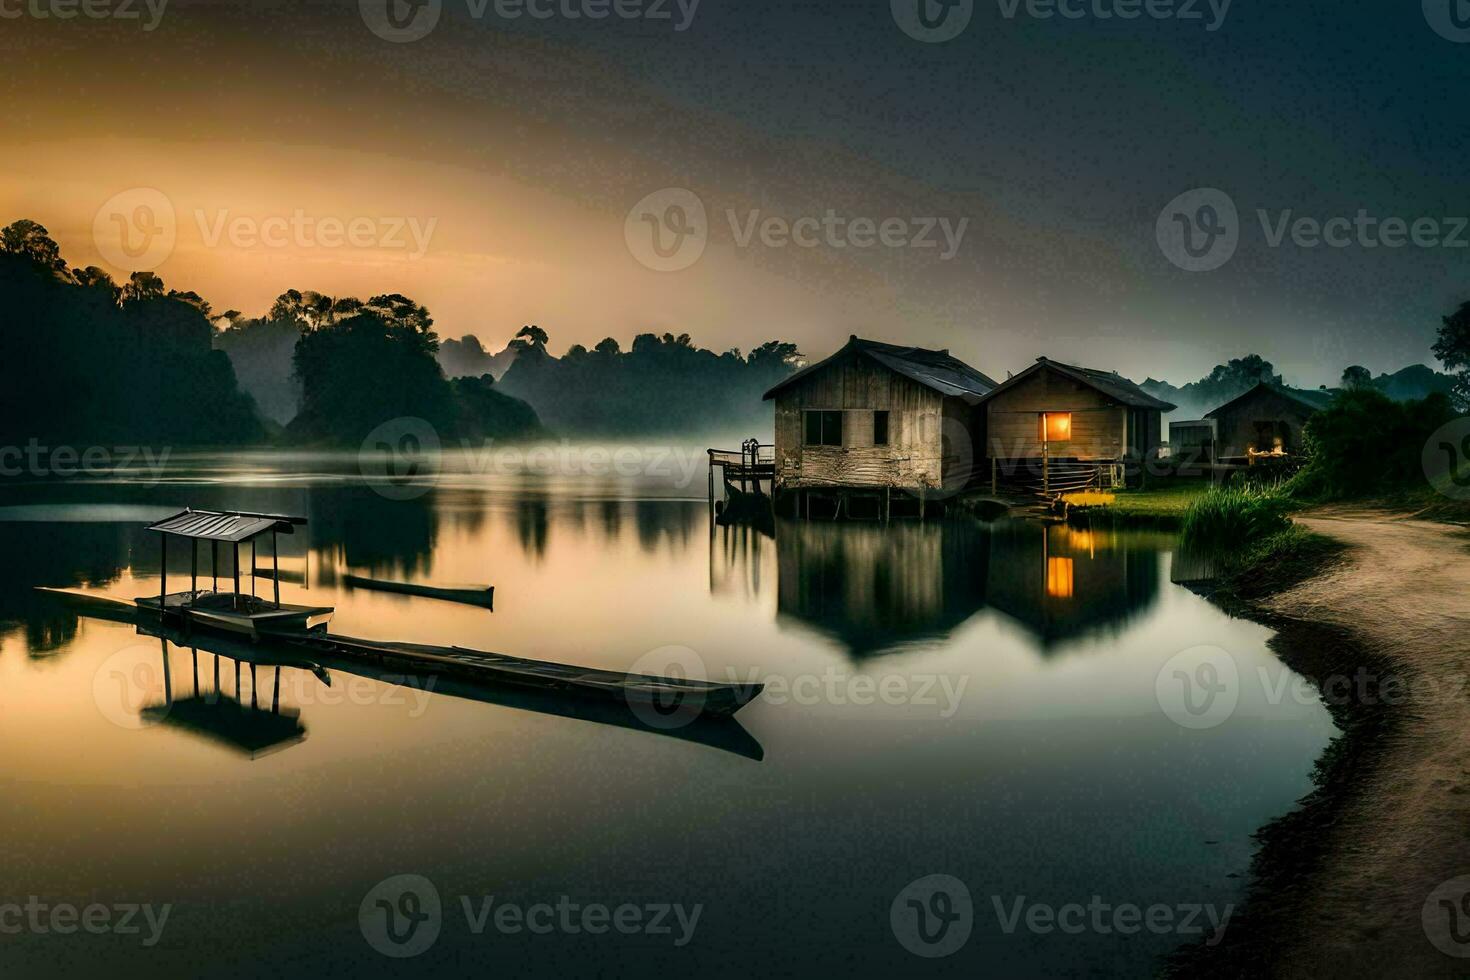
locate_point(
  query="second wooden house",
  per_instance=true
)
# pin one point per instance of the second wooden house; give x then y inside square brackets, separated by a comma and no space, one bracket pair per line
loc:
[1056,427]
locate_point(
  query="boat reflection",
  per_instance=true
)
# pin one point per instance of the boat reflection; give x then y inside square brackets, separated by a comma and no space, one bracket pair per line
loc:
[223,719]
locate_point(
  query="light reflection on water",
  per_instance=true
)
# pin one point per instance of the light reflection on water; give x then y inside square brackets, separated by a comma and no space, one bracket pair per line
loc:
[1046,768]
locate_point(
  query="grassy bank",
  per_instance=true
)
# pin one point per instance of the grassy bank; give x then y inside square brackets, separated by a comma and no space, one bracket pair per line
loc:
[1162,506]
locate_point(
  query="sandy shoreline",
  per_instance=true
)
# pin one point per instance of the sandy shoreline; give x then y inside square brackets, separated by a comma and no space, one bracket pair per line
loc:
[1342,884]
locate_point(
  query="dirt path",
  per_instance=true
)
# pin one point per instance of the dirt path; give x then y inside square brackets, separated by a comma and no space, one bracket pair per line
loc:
[1403,592]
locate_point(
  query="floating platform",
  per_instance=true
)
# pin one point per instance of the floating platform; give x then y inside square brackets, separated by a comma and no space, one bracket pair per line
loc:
[233,613]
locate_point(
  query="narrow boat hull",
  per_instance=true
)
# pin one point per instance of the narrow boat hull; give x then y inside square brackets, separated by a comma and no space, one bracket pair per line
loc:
[471,595]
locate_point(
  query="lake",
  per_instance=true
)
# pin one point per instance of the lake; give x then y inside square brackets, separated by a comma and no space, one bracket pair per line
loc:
[993,703]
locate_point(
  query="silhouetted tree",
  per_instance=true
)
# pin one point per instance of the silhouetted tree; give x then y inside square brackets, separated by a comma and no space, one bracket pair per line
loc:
[1452,347]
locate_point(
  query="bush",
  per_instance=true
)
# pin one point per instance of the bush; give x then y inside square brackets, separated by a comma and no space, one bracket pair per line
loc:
[1365,444]
[1234,515]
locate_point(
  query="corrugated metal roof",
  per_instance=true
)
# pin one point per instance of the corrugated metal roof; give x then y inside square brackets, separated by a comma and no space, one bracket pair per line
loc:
[208,525]
[936,369]
[1110,383]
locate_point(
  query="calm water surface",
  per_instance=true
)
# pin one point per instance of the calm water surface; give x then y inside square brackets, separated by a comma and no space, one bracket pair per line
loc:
[1019,747]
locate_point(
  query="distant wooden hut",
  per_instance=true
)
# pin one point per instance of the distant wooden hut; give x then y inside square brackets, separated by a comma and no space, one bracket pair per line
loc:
[872,419]
[1056,427]
[1265,421]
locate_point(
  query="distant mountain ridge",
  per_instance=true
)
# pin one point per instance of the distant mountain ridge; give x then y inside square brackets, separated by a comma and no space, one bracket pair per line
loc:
[1197,398]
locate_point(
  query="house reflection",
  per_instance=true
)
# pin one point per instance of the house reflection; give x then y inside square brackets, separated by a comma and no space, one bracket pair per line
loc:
[1063,583]
[875,588]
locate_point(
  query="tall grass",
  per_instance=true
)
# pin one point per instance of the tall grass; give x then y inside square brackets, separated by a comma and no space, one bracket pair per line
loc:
[1236,515]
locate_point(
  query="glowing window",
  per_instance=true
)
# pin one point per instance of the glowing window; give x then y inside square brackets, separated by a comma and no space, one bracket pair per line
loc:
[1056,426]
[1059,577]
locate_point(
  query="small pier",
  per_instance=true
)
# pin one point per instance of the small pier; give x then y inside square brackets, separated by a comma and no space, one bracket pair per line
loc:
[745,469]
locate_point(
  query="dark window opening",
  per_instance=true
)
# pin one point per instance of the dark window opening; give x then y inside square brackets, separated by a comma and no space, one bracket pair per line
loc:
[880,428]
[824,428]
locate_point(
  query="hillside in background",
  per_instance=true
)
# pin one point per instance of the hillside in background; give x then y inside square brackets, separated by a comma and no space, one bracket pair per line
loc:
[1226,381]
[662,386]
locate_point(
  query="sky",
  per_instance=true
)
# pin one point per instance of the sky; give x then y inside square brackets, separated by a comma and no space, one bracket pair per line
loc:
[1151,194]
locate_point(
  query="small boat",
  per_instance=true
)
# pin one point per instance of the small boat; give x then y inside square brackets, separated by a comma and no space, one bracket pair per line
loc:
[474,595]
[662,695]
[230,611]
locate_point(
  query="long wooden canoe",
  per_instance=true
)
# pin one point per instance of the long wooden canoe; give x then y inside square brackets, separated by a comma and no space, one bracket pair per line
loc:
[661,701]
[475,595]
